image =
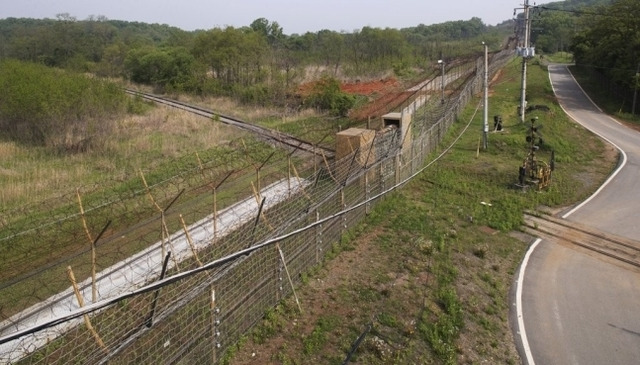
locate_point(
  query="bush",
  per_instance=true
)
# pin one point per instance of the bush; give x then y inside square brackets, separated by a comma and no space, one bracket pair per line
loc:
[49,107]
[169,69]
[327,95]
[255,94]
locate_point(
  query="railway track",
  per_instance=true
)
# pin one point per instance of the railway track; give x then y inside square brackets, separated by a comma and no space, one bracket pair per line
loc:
[266,134]
[575,234]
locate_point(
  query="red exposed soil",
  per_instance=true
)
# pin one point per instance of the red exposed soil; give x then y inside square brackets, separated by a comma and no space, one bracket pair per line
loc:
[370,87]
[367,88]
[380,105]
[383,95]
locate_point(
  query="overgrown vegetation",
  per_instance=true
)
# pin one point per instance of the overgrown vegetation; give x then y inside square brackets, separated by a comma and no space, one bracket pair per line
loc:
[607,95]
[327,95]
[609,47]
[170,68]
[48,107]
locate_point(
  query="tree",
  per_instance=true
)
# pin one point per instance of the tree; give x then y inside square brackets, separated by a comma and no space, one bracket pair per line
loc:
[169,68]
[331,49]
[234,56]
[553,30]
[611,41]
[272,31]
[376,49]
[113,60]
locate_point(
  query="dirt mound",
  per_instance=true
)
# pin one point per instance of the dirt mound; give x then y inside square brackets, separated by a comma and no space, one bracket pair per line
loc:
[384,95]
[381,105]
[366,88]
[370,87]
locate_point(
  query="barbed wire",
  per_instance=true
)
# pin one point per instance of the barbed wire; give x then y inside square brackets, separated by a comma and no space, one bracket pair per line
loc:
[192,262]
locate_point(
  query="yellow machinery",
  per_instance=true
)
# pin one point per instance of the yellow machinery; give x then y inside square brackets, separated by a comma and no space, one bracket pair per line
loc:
[534,172]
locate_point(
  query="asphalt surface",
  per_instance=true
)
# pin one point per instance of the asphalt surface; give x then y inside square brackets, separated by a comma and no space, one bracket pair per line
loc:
[577,308]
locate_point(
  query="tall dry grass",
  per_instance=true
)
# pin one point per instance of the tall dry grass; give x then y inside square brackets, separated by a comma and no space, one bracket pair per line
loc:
[250,113]
[29,174]
[140,142]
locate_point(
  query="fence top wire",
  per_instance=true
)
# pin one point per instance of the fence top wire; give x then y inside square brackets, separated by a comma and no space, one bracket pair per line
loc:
[93,307]
[17,332]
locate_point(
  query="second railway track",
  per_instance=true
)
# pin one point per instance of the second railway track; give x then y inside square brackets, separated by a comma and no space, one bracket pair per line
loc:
[264,133]
[567,232]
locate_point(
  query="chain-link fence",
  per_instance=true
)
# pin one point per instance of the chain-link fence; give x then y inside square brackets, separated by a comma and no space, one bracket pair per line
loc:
[176,271]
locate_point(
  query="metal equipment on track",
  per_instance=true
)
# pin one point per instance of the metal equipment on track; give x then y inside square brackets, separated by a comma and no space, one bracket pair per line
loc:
[535,172]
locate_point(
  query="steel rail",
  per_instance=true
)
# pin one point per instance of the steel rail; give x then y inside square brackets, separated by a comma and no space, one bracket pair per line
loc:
[612,246]
[264,133]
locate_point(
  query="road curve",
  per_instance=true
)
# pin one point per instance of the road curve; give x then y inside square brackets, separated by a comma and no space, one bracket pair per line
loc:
[576,308]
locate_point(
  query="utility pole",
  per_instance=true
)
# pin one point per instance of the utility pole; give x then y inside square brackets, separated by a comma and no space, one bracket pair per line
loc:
[525,55]
[442,64]
[635,91]
[485,131]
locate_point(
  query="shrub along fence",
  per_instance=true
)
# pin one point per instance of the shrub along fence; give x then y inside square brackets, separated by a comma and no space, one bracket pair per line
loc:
[150,296]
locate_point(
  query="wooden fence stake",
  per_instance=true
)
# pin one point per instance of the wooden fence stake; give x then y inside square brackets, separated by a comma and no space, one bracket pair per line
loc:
[256,193]
[304,188]
[289,175]
[93,242]
[84,220]
[87,321]
[200,164]
[215,204]
[167,236]
[146,186]
[215,214]
[94,291]
[328,168]
[284,263]
[190,241]
[260,201]
[164,229]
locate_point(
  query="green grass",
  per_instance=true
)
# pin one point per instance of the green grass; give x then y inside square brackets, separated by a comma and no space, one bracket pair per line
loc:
[319,335]
[424,264]
[273,322]
[559,57]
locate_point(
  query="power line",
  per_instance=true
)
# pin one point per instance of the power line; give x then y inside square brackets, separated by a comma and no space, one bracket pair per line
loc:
[583,12]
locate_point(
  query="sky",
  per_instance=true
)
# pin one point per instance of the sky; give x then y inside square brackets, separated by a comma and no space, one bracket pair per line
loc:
[293,16]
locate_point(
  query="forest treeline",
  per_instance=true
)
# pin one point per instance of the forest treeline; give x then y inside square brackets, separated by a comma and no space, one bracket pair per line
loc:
[602,35]
[258,62]
[49,98]
[554,25]
[609,41]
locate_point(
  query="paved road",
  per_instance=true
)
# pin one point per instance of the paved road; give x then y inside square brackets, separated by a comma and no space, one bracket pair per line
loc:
[576,308]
